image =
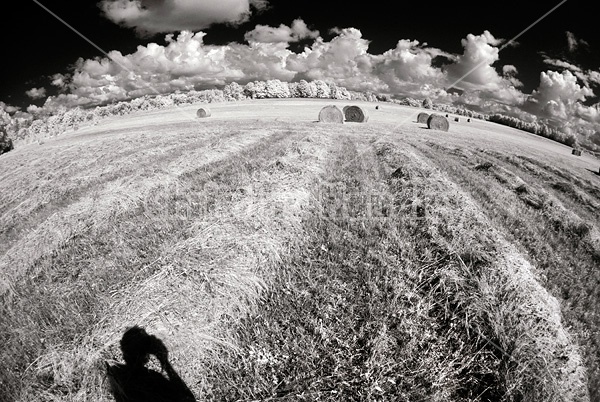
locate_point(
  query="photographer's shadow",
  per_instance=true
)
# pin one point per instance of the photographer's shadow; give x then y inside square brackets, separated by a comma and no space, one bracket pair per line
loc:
[133,381]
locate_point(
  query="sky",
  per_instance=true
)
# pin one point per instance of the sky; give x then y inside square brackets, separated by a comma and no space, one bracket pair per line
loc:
[417,49]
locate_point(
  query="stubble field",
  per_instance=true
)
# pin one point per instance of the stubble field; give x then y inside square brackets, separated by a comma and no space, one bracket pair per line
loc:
[283,259]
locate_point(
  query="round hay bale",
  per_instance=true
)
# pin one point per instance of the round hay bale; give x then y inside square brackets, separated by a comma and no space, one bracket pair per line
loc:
[468,120]
[355,114]
[331,114]
[377,107]
[438,122]
[576,152]
[446,114]
[456,119]
[422,117]
[203,112]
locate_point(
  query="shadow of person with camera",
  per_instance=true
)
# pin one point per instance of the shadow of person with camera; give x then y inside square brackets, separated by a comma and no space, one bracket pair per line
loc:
[133,381]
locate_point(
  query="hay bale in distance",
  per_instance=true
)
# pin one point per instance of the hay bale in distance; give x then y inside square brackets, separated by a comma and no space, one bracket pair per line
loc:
[203,112]
[456,119]
[377,107]
[331,114]
[576,152]
[422,118]
[468,120]
[355,114]
[438,122]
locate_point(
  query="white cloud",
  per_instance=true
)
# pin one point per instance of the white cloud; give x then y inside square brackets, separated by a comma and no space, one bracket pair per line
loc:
[594,76]
[558,96]
[588,77]
[36,93]
[573,43]
[59,80]
[408,69]
[562,64]
[509,70]
[155,16]
[473,69]
[186,62]
[4,107]
[282,34]
[483,85]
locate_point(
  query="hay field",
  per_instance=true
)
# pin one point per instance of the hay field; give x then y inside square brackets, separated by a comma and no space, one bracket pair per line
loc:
[284,259]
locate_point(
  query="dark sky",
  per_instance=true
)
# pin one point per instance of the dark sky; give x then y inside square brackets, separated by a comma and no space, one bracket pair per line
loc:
[36,45]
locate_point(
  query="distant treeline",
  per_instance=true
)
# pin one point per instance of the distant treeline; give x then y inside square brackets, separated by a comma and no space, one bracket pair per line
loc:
[537,128]
[51,121]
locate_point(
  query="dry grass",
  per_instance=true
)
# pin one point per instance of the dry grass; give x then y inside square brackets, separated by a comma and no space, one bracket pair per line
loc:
[518,194]
[292,260]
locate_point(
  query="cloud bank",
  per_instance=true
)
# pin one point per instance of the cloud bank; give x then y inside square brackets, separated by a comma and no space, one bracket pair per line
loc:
[412,69]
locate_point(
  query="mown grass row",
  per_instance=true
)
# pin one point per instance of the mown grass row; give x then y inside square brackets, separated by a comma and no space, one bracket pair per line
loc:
[370,308]
[68,175]
[73,286]
[521,196]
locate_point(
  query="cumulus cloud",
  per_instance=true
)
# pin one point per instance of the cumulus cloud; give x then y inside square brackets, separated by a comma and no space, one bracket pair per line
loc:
[509,70]
[562,64]
[474,67]
[36,93]
[59,80]
[573,43]
[558,96]
[149,17]
[4,107]
[473,72]
[282,34]
[588,78]
[408,68]
[186,62]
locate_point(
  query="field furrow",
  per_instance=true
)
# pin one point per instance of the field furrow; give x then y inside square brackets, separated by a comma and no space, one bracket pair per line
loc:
[394,299]
[80,173]
[283,259]
[189,256]
[563,247]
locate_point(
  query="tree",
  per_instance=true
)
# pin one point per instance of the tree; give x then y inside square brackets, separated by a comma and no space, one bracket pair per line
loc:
[322,89]
[304,90]
[233,92]
[277,89]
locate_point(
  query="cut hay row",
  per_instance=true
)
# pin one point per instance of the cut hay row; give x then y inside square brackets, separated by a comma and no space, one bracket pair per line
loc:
[349,286]
[203,112]
[422,117]
[331,114]
[562,246]
[437,122]
[95,210]
[355,114]
[542,362]
[79,173]
[205,283]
